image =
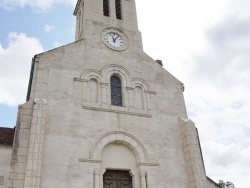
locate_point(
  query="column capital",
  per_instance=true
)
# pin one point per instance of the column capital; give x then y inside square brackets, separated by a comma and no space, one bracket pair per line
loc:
[97,171]
[142,173]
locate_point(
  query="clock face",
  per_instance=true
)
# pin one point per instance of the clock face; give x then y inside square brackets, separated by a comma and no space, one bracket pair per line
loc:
[114,39]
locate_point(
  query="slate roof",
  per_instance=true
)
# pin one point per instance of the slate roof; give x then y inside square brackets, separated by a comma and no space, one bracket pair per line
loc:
[6,136]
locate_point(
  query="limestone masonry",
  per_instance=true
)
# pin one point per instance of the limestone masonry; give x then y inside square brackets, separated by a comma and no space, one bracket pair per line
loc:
[100,113]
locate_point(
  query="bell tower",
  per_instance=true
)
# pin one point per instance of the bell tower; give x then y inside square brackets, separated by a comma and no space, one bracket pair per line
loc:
[95,15]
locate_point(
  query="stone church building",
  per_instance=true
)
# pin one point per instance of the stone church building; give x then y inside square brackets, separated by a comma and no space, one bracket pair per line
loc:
[100,113]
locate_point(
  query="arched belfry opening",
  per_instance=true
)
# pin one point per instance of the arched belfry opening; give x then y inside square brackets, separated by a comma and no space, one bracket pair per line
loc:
[106,7]
[118,9]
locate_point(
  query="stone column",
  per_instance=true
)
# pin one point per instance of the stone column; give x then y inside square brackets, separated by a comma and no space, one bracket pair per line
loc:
[84,90]
[97,178]
[143,178]
[148,99]
[104,94]
[130,97]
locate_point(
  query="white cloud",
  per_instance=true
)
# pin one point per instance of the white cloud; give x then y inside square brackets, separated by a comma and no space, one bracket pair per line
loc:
[39,4]
[48,28]
[217,96]
[206,44]
[229,162]
[15,61]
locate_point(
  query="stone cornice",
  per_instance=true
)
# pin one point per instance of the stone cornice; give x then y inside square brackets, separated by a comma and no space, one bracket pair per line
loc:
[117,111]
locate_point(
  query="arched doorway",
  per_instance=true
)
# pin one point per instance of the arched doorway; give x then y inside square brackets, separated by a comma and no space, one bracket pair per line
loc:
[118,161]
[120,151]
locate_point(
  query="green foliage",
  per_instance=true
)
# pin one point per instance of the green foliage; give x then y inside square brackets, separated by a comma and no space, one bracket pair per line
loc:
[227,184]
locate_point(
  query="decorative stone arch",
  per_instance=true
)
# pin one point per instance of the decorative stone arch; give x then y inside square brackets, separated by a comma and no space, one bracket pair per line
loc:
[119,137]
[89,74]
[140,82]
[128,84]
[125,77]
[122,72]
[145,169]
[85,79]
[144,97]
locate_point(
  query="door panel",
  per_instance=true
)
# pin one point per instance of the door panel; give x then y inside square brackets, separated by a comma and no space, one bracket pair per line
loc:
[117,179]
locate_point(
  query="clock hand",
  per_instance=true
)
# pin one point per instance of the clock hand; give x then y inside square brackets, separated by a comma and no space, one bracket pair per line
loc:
[116,37]
[113,38]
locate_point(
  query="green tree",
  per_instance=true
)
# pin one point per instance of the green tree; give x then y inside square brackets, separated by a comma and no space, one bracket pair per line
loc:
[227,184]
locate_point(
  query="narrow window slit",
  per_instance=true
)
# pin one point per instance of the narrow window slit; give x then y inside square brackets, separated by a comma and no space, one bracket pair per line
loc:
[118,9]
[106,7]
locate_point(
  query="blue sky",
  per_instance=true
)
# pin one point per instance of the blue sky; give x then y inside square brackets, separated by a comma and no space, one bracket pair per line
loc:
[45,25]
[205,44]
[33,22]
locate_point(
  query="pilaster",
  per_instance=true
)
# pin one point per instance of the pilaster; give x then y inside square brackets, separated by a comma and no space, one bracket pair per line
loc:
[192,153]
[20,146]
[35,150]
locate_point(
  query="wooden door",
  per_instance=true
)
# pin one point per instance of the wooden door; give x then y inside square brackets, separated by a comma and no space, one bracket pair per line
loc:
[117,179]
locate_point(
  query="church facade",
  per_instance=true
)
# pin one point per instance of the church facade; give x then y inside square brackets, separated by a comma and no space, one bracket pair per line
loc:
[100,113]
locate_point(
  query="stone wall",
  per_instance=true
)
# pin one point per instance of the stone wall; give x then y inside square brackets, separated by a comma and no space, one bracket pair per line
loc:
[61,125]
[74,122]
[5,156]
[20,146]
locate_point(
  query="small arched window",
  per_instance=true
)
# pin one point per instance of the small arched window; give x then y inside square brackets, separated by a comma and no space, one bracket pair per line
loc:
[116,91]
[118,9]
[106,7]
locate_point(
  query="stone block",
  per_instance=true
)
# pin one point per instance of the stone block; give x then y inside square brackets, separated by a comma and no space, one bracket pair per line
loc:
[120,137]
[20,176]
[13,175]
[1,180]
[25,125]
[23,142]
[23,134]
[26,111]
[19,167]
[22,151]
[105,140]
[26,118]
[18,183]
